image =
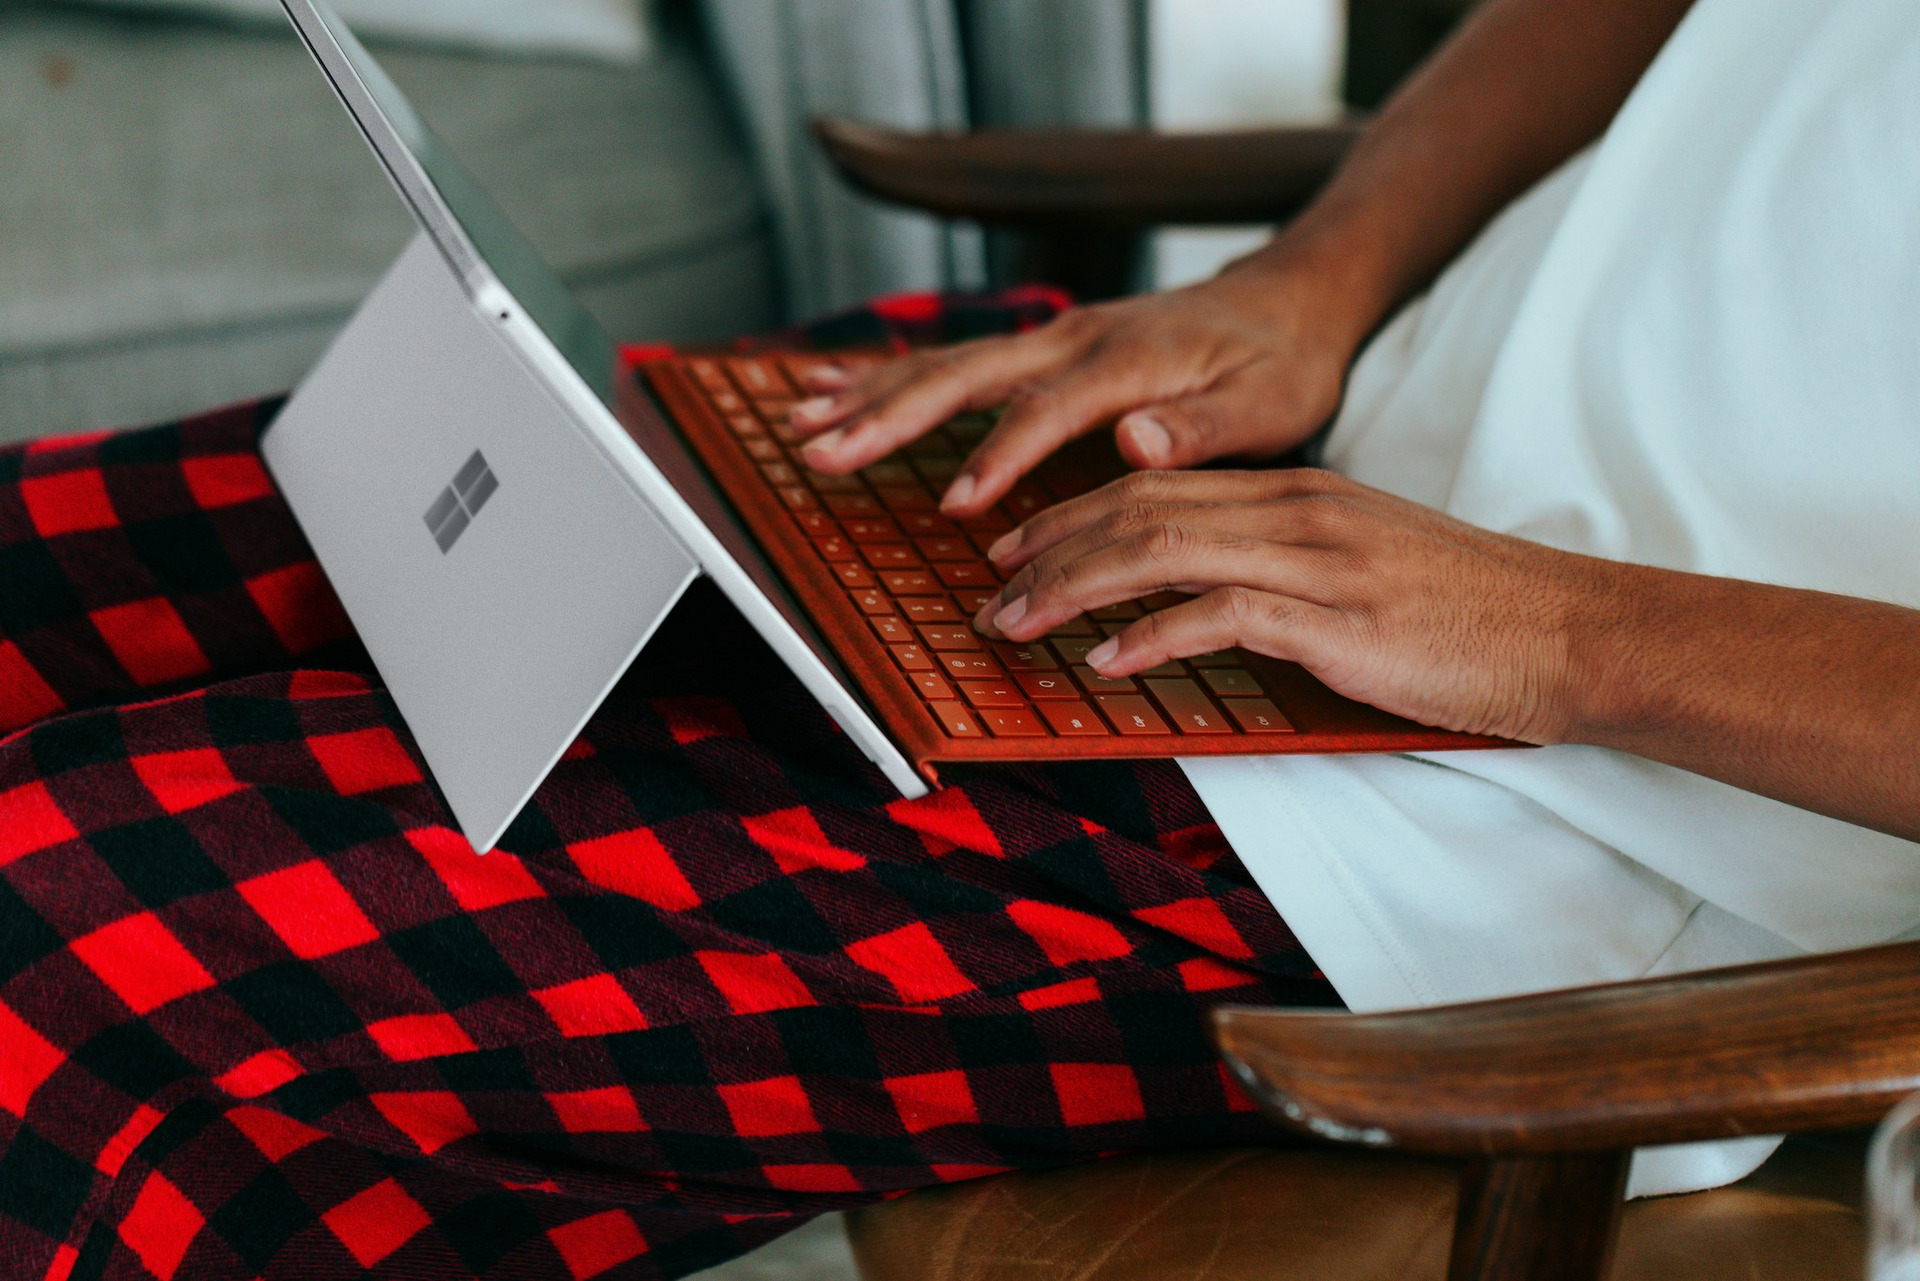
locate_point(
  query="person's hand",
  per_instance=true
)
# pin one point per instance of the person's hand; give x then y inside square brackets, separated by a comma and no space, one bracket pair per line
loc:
[1384,600]
[1248,364]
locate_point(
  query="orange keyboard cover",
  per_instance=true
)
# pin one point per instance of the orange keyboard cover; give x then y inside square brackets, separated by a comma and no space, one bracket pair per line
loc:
[892,586]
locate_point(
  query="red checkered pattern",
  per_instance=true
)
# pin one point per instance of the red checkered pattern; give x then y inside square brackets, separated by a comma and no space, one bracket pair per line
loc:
[264,1014]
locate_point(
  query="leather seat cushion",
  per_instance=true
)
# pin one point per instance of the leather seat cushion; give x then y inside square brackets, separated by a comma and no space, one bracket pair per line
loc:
[1336,1215]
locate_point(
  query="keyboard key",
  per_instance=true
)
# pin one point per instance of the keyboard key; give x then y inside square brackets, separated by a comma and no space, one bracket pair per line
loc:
[759,377]
[969,429]
[1025,501]
[964,666]
[911,658]
[931,609]
[762,450]
[926,524]
[1111,629]
[1132,715]
[966,574]
[824,483]
[1231,682]
[1061,486]
[1120,611]
[1076,627]
[816,524]
[949,638]
[873,531]
[894,631]
[1034,657]
[774,409]
[992,521]
[709,375]
[972,602]
[905,498]
[1095,683]
[1191,711]
[785,432]
[890,556]
[1073,648]
[798,498]
[780,473]
[928,446]
[1044,685]
[939,470]
[729,402]
[852,576]
[871,603]
[1014,724]
[951,549]
[999,693]
[747,427]
[1073,720]
[910,582]
[890,473]
[932,686]
[956,720]
[1163,600]
[847,506]
[1219,658]
[1172,667]
[834,549]
[1257,716]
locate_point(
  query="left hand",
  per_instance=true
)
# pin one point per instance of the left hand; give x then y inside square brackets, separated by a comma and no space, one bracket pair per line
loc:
[1384,600]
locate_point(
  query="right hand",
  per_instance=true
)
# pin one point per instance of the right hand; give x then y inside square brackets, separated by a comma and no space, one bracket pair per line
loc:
[1244,365]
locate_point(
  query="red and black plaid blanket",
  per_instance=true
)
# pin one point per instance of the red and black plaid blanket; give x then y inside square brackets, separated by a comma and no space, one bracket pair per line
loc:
[264,1014]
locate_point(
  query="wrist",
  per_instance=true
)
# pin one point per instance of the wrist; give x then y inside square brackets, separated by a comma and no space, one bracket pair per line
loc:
[1614,693]
[1321,281]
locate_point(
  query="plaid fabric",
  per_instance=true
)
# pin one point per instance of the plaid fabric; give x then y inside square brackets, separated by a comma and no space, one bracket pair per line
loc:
[264,1014]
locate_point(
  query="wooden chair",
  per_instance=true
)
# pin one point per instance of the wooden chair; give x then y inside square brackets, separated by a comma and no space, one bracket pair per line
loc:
[1486,1141]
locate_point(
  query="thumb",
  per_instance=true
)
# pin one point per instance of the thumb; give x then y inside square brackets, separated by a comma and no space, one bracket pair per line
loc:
[1240,418]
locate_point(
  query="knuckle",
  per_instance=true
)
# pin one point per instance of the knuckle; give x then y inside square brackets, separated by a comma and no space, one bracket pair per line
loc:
[1324,518]
[1318,480]
[1167,542]
[1241,608]
[1134,518]
[1143,486]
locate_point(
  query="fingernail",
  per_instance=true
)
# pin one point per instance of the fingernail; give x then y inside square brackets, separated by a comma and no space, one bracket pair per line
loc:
[811,409]
[1004,545]
[1103,653]
[959,494]
[1012,613]
[1150,439]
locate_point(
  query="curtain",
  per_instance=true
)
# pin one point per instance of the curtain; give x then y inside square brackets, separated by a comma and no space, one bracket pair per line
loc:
[911,64]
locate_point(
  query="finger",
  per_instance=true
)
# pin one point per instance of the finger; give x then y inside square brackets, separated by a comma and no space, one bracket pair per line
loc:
[860,391]
[823,379]
[1170,555]
[1041,419]
[1160,490]
[1270,623]
[1245,415]
[977,375]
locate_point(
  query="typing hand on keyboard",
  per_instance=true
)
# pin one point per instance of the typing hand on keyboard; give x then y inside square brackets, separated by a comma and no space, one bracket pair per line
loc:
[1248,364]
[1386,601]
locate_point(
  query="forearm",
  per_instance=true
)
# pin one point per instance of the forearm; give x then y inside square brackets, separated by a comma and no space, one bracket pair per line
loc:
[1806,697]
[1522,86]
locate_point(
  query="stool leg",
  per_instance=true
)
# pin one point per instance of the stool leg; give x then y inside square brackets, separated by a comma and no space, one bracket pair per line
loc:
[1538,1218]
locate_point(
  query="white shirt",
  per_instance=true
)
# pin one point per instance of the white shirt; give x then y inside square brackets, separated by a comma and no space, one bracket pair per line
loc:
[1695,346]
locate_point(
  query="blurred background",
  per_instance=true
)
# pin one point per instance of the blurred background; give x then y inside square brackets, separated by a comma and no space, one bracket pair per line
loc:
[187,216]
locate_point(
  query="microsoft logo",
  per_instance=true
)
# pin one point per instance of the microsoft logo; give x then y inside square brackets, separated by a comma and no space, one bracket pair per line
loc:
[461,501]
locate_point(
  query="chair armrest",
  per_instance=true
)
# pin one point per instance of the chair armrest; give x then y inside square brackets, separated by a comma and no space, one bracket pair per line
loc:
[1114,179]
[1816,1042]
